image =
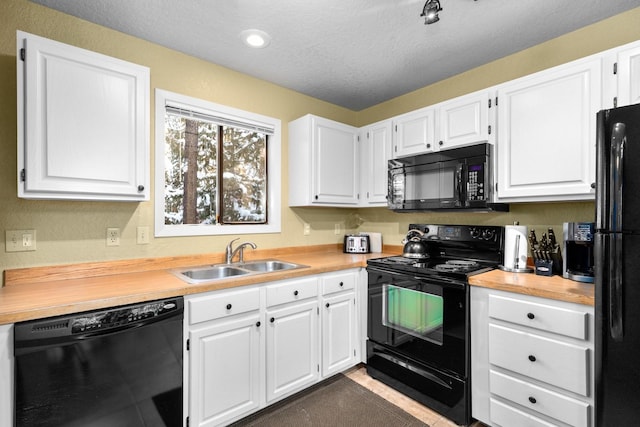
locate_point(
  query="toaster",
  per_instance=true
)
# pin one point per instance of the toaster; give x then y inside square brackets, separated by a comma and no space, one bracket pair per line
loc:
[356,244]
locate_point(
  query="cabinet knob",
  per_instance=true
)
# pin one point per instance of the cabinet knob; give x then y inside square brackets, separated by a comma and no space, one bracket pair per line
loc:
[593,185]
[258,324]
[341,284]
[440,143]
[228,306]
[327,305]
[531,316]
[295,293]
[140,188]
[428,145]
[532,358]
[532,399]
[273,319]
[316,197]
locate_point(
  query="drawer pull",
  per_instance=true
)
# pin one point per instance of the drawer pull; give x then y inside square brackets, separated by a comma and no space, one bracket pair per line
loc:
[341,284]
[531,316]
[273,319]
[532,399]
[532,358]
[327,305]
[258,324]
[228,306]
[295,293]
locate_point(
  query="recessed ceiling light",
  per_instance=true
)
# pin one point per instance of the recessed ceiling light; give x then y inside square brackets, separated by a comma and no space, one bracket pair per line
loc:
[255,38]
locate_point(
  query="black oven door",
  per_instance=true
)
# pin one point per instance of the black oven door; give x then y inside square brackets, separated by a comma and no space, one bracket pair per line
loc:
[418,340]
[423,319]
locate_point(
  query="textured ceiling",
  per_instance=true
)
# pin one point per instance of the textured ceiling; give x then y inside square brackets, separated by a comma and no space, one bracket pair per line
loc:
[353,53]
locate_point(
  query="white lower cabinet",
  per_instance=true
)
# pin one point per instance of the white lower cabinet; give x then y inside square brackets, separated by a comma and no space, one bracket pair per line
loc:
[339,326]
[292,349]
[532,360]
[252,346]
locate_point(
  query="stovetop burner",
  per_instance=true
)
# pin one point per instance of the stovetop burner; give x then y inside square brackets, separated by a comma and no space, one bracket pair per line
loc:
[458,251]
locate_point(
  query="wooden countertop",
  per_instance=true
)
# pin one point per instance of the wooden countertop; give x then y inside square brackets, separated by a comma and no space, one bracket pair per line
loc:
[39,292]
[553,287]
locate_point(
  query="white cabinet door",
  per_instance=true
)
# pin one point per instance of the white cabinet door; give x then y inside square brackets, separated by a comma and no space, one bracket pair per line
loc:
[463,120]
[292,348]
[323,163]
[414,133]
[546,133]
[375,152]
[224,377]
[628,70]
[338,333]
[83,124]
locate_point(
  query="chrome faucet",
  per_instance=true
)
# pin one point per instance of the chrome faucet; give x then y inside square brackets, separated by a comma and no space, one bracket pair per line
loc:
[231,253]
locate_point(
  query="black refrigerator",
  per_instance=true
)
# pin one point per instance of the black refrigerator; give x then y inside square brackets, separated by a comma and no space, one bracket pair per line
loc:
[617,267]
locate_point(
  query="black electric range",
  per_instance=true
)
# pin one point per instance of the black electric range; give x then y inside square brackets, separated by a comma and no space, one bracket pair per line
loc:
[418,315]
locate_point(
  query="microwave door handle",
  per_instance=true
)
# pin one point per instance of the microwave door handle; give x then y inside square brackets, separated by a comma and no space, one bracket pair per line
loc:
[460,190]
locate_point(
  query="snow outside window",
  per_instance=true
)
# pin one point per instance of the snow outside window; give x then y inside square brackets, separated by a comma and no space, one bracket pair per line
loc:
[216,169]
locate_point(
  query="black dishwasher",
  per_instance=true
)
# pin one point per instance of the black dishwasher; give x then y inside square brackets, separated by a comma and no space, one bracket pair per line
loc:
[120,366]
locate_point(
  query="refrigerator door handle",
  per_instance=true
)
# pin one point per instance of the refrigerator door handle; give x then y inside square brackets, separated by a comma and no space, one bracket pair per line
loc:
[616,185]
[616,177]
[616,329]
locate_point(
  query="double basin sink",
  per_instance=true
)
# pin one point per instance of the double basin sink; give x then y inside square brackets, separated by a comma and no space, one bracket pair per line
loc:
[224,271]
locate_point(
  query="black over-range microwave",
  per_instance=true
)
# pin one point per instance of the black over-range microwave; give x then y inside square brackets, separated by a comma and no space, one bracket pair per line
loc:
[456,179]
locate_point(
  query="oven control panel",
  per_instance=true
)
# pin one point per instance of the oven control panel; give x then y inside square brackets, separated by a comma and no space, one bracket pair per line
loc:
[460,233]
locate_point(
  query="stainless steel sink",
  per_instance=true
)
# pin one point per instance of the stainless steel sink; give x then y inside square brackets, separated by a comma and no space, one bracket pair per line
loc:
[267,266]
[223,271]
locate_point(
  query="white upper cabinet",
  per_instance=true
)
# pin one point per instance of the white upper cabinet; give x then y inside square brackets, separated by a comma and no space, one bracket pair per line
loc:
[546,133]
[628,70]
[83,124]
[375,152]
[323,163]
[464,120]
[414,132]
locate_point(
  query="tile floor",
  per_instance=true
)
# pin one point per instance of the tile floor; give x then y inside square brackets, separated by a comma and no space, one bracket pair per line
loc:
[359,375]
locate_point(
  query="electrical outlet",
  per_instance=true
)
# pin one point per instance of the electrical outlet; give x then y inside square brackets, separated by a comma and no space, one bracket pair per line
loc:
[142,235]
[113,237]
[20,240]
[306,229]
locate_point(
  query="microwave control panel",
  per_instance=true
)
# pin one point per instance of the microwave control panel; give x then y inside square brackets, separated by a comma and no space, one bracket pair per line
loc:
[476,182]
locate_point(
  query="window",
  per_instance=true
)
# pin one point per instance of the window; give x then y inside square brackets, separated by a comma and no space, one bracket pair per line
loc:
[217,169]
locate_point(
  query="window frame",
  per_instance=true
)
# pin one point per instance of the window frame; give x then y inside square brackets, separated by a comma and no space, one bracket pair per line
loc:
[274,172]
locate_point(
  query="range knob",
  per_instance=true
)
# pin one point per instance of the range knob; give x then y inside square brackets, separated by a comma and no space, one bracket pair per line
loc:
[488,234]
[474,232]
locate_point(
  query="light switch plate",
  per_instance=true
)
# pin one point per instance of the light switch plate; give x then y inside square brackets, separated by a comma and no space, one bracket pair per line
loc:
[20,240]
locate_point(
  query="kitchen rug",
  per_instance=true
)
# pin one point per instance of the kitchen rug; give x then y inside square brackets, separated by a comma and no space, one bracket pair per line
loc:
[337,401]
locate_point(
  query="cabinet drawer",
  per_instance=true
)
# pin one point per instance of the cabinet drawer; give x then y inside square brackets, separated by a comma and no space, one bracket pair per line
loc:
[571,411]
[506,416]
[297,290]
[338,282]
[223,304]
[561,364]
[557,320]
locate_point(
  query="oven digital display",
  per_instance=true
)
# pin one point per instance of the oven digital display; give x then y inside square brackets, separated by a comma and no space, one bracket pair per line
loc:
[416,313]
[449,232]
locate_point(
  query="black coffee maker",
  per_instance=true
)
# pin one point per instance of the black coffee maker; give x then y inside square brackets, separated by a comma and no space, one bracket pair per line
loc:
[578,251]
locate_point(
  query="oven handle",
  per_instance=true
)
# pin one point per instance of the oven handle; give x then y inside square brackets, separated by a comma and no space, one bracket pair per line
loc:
[413,368]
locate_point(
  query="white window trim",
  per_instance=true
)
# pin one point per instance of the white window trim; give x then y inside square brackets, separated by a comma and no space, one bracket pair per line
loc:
[163,98]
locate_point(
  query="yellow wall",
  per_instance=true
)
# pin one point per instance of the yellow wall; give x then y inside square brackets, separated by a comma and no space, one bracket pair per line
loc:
[71,232]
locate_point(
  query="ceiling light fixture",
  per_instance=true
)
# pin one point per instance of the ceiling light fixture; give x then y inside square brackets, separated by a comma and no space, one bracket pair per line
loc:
[430,11]
[255,38]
